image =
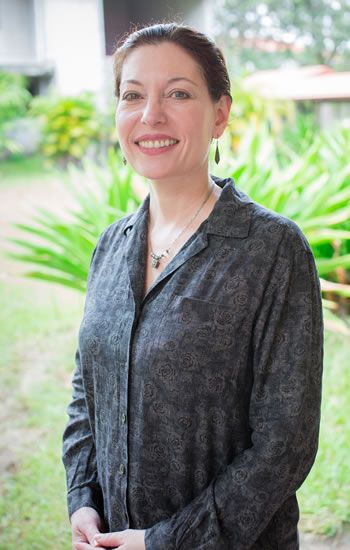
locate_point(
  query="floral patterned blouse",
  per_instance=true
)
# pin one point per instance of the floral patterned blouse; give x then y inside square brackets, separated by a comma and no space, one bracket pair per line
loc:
[195,411]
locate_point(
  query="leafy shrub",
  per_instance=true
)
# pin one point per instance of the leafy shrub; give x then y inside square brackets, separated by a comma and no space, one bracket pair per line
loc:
[62,247]
[14,97]
[14,102]
[249,110]
[71,126]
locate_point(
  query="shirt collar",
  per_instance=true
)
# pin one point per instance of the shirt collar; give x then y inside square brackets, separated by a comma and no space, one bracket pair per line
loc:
[230,217]
[232,212]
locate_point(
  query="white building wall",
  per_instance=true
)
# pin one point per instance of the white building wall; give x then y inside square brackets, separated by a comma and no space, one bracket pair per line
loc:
[75,42]
[202,17]
[39,32]
[17,43]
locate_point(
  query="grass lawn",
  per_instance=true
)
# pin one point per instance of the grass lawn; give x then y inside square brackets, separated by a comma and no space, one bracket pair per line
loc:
[325,496]
[37,340]
[19,168]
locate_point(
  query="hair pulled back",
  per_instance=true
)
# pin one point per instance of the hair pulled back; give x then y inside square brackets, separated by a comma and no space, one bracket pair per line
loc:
[199,46]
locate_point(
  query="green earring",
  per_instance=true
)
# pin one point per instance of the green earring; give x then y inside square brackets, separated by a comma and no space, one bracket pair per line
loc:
[217,152]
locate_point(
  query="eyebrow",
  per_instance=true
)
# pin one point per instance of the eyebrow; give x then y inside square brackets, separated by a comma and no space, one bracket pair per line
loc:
[170,81]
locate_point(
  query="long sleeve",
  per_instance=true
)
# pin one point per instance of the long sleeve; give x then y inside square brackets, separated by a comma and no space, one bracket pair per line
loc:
[92,433]
[284,414]
[79,455]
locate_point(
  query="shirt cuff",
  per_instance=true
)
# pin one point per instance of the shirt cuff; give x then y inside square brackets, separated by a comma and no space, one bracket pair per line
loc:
[85,495]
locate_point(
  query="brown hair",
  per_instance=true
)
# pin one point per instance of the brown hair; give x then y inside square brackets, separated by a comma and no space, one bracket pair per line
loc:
[201,48]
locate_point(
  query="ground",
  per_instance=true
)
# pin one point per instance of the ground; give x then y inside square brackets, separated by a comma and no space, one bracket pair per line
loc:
[17,202]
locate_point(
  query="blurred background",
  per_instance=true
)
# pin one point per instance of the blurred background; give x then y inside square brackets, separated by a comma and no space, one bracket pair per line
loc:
[62,181]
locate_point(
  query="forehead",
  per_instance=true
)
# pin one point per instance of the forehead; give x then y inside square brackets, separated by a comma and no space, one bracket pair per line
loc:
[164,60]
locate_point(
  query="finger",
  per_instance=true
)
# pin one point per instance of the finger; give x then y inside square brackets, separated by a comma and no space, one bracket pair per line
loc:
[91,533]
[109,540]
[82,546]
[87,537]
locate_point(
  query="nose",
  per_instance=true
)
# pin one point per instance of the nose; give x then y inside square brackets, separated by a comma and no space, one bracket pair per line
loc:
[153,112]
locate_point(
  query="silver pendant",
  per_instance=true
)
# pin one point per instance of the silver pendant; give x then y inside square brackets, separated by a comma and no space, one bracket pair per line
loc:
[155,260]
[157,257]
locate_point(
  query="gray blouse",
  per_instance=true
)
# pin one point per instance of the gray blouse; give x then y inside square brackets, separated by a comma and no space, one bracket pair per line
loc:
[195,410]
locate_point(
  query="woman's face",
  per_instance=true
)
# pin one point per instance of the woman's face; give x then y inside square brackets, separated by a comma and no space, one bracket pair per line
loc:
[165,116]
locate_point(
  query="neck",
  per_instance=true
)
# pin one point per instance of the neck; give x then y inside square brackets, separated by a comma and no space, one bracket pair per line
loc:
[173,201]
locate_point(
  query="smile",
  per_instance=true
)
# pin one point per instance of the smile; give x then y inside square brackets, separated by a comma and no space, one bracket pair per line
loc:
[157,144]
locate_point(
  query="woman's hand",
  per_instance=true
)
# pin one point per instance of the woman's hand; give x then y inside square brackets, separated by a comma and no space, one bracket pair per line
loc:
[130,539]
[86,523]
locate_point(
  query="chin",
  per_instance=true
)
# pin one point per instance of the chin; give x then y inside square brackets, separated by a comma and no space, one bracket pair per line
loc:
[155,173]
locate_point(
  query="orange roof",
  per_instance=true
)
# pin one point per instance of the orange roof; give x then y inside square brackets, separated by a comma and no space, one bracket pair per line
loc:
[315,83]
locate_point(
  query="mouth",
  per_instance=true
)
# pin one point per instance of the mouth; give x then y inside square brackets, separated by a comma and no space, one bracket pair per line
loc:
[157,143]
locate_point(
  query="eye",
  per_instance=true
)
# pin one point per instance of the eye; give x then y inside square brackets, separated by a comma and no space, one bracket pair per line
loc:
[131,96]
[180,94]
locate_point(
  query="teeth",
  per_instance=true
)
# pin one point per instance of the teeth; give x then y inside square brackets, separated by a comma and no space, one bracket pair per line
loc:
[157,144]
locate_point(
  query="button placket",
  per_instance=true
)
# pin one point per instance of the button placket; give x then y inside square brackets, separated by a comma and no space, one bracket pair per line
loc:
[123,457]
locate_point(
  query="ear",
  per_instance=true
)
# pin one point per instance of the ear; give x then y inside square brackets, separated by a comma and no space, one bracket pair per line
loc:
[223,107]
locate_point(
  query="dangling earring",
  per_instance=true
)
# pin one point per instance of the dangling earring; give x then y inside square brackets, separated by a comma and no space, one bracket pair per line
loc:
[125,162]
[217,152]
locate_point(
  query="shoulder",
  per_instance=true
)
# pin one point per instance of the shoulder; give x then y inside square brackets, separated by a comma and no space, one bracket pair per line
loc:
[286,251]
[115,230]
[283,252]
[276,230]
[110,238]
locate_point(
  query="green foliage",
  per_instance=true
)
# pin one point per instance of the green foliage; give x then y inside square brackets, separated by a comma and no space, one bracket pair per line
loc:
[310,31]
[61,248]
[14,102]
[253,111]
[14,96]
[70,125]
[297,136]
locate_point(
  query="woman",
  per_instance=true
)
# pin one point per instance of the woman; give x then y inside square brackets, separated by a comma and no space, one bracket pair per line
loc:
[196,401]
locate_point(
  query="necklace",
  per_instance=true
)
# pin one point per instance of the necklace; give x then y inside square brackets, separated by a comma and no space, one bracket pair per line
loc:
[157,256]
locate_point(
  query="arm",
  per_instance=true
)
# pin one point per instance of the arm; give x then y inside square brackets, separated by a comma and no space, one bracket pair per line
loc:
[284,412]
[79,457]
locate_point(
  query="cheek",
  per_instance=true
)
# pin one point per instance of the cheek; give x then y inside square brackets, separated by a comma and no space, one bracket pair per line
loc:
[124,124]
[200,125]
[200,118]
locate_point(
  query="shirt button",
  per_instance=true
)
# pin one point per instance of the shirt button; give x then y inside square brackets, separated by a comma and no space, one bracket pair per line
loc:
[123,418]
[122,469]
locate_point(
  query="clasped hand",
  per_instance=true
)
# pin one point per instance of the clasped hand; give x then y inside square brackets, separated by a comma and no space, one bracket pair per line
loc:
[130,539]
[87,535]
